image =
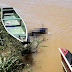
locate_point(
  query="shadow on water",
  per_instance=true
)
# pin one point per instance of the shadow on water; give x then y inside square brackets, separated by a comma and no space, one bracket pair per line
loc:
[29,59]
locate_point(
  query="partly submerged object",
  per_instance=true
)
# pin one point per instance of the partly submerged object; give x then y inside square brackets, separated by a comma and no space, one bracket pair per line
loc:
[38,31]
[66,59]
[14,24]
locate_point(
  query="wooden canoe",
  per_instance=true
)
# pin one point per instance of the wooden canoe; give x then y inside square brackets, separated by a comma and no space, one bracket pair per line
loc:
[14,24]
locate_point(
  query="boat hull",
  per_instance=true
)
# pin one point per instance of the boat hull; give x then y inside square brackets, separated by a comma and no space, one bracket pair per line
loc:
[14,24]
[65,60]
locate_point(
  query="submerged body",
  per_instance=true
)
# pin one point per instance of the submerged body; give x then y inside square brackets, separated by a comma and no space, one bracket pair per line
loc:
[14,24]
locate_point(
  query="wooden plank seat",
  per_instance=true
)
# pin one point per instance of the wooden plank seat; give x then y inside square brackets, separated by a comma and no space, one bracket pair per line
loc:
[8,9]
[8,14]
[12,19]
[21,35]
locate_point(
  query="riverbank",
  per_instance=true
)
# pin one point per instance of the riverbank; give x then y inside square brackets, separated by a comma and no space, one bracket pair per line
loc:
[14,56]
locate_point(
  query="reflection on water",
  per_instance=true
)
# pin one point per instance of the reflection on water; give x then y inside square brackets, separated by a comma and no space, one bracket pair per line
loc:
[57,17]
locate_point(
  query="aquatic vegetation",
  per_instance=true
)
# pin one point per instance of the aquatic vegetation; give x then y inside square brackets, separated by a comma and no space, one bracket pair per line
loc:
[31,48]
[43,46]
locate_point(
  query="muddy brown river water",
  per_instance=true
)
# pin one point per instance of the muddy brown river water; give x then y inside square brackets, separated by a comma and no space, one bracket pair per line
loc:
[57,17]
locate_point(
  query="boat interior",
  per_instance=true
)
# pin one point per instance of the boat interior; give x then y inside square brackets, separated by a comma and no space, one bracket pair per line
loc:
[69,57]
[14,23]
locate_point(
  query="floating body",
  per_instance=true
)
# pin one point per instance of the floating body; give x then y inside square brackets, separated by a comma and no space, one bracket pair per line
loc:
[14,24]
[66,57]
